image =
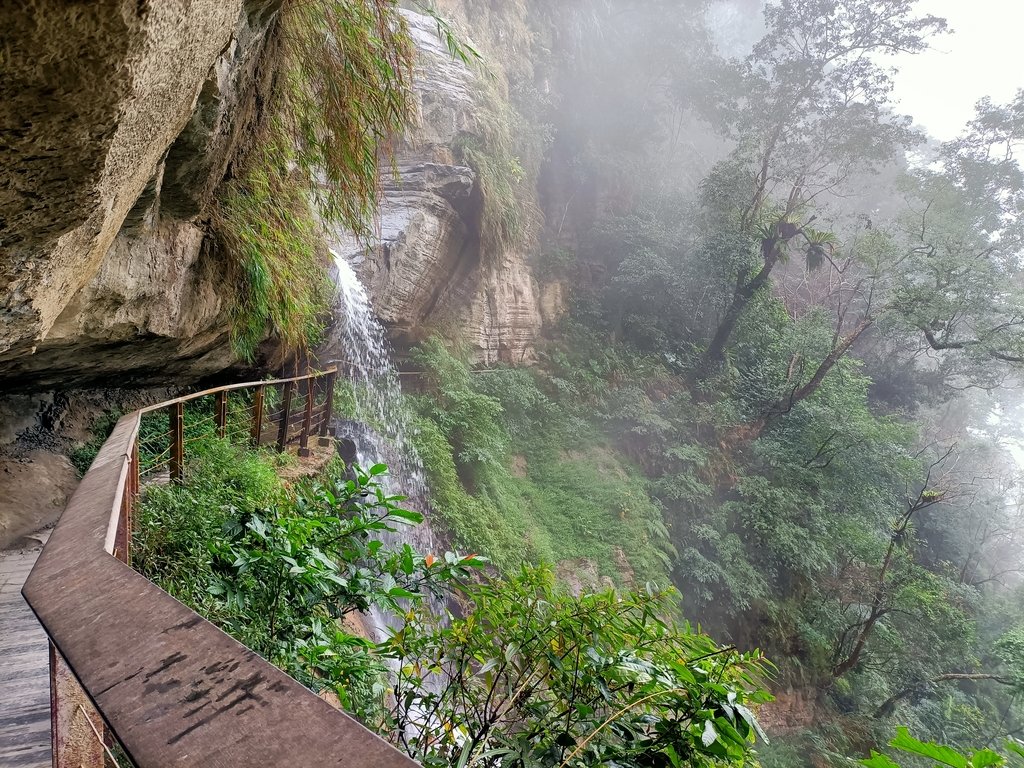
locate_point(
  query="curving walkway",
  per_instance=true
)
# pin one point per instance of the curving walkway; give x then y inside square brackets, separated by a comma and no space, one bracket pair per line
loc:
[24,668]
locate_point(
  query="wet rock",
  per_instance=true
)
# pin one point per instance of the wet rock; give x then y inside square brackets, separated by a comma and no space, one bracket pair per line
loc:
[428,270]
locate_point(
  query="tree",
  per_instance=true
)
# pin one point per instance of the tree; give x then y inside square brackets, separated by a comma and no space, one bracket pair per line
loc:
[962,283]
[949,270]
[884,594]
[813,109]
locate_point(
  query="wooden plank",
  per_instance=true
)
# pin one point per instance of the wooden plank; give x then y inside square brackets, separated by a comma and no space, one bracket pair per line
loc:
[328,411]
[24,671]
[221,416]
[257,415]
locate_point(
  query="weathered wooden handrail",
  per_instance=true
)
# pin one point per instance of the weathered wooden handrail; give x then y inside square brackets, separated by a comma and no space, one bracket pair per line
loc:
[172,688]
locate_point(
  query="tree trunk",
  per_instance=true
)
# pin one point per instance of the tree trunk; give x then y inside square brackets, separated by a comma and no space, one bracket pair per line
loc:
[741,297]
[887,707]
[783,406]
[877,610]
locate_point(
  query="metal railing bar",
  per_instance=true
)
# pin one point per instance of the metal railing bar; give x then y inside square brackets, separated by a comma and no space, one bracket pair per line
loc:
[232,388]
[99,738]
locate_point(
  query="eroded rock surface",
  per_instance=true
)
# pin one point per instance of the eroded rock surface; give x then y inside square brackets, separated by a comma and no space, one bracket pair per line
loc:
[33,492]
[427,271]
[122,117]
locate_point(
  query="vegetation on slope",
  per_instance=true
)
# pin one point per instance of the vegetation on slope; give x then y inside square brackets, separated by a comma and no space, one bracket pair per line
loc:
[767,389]
[527,674]
[787,364]
[513,476]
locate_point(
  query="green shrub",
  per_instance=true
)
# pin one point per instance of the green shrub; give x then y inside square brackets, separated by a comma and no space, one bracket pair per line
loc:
[495,527]
[278,567]
[175,523]
[535,677]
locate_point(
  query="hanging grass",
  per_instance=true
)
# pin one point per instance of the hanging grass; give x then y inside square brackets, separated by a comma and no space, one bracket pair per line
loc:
[341,91]
[347,93]
[510,216]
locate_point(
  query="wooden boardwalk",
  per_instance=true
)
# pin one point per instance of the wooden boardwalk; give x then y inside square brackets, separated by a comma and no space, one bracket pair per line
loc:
[24,670]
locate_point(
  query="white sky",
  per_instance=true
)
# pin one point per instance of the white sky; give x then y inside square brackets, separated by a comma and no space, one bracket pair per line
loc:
[984,56]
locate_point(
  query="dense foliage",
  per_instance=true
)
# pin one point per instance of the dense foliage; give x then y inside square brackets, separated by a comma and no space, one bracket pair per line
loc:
[782,384]
[532,676]
[513,475]
[527,675]
[791,338]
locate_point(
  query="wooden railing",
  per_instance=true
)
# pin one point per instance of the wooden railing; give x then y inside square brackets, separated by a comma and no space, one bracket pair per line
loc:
[138,676]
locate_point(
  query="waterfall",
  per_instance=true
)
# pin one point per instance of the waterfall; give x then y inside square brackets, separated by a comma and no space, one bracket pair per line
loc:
[360,349]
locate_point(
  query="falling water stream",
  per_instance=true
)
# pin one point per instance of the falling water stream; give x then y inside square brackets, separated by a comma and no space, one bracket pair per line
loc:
[360,349]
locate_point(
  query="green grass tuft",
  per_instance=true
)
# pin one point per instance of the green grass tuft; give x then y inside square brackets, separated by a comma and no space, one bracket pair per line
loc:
[341,91]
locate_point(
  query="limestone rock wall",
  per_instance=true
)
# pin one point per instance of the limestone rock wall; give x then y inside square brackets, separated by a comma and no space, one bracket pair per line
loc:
[427,271]
[122,116]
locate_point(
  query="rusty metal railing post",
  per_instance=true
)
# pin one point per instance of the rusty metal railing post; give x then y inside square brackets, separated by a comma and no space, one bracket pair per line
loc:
[222,412]
[256,433]
[286,414]
[307,419]
[325,417]
[177,417]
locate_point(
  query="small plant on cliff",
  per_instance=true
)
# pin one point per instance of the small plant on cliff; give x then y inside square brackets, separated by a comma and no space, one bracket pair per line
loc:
[509,215]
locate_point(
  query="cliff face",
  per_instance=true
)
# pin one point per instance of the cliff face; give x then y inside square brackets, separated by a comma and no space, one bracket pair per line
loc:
[429,270]
[120,121]
[123,116]
[120,138]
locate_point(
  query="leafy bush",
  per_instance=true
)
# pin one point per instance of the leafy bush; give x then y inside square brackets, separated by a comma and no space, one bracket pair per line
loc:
[555,505]
[278,567]
[912,751]
[175,523]
[531,676]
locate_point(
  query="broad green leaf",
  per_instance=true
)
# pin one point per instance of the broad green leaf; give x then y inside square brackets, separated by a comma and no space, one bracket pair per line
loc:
[984,758]
[751,720]
[406,514]
[938,752]
[878,760]
[709,735]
